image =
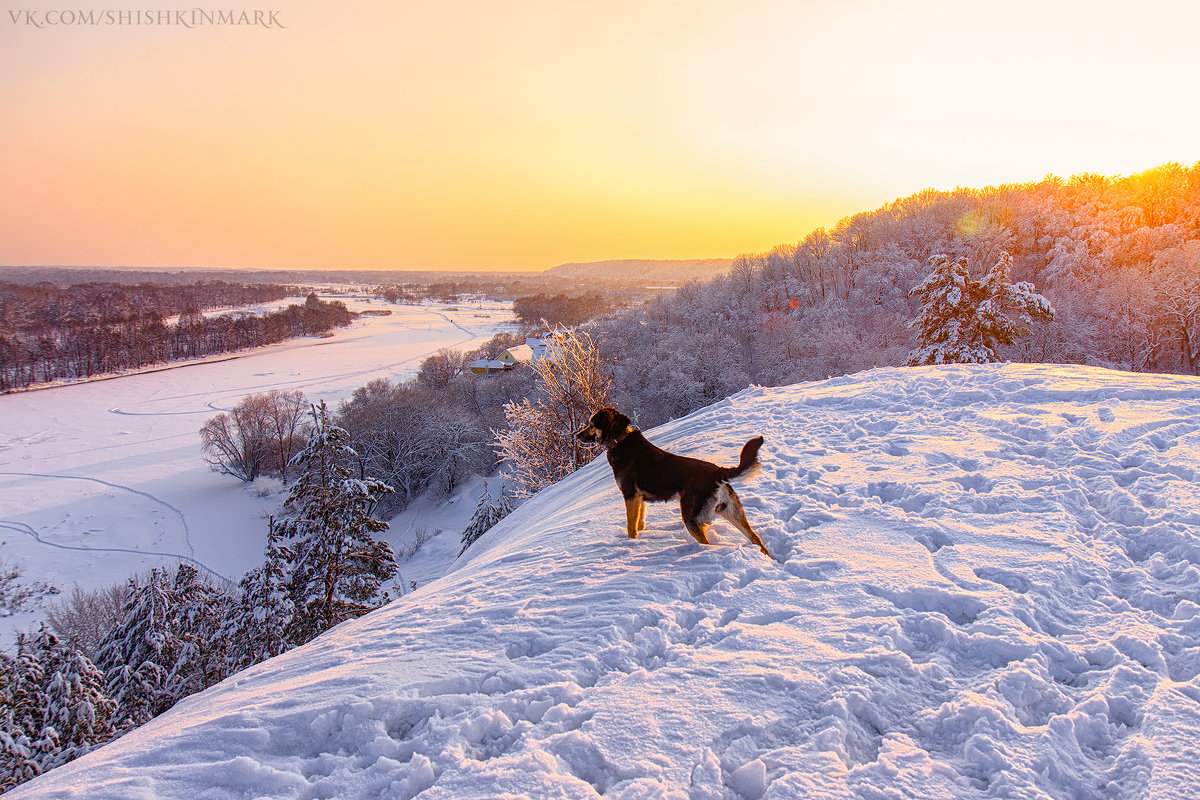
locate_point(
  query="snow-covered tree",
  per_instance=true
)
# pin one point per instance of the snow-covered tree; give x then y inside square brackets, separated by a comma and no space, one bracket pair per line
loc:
[139,654]
[488,511]
[572,383]
[962,320]
[23,740]
[166,645]
[1177,291]
[256,627]
[197,611]
[78,707]
[337,566]
[53,707]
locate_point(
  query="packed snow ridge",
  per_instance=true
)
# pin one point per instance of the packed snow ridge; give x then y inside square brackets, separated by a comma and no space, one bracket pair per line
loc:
[986,586]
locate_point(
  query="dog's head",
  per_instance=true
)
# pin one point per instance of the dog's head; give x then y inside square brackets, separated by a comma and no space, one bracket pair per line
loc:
[606,427]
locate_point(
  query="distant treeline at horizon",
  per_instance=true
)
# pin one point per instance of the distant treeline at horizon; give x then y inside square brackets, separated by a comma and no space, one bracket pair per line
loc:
[52,334]
[620,271]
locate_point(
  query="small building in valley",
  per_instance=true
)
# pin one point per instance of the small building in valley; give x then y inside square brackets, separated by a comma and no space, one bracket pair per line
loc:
[535,349]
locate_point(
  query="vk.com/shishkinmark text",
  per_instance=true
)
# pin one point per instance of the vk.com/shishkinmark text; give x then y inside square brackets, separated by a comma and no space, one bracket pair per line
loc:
[176,18]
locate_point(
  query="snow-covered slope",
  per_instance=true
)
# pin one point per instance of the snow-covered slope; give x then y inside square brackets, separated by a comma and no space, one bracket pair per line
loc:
[988,588]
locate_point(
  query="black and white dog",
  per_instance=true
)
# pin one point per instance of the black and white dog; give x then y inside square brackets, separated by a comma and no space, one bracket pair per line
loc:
[645,472]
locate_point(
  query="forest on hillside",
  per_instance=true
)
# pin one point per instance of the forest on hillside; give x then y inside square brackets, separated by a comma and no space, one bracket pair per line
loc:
[1118,257]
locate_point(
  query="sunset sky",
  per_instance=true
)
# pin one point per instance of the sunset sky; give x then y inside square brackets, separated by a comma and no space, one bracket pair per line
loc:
[518,135]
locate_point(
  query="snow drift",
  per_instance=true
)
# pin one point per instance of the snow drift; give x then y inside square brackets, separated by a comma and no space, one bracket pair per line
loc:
[987,587]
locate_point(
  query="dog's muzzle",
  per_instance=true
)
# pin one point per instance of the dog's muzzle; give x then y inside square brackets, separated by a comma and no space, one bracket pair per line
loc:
[590,434]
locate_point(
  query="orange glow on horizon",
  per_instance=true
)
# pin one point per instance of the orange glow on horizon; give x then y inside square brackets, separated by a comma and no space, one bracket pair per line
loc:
[472,134]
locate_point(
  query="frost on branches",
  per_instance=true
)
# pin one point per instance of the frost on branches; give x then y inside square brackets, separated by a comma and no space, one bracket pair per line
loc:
[540,445]
[962,320]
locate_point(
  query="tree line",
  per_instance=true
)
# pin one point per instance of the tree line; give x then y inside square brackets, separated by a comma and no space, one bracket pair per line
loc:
[100,329]
[565,309]
[1118,259]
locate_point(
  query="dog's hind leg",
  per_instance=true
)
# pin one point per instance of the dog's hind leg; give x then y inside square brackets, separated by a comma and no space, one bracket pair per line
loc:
[694,517]
[635,514]
[730,509]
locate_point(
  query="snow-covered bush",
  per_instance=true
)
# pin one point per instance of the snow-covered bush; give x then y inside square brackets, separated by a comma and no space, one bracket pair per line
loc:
[17,595]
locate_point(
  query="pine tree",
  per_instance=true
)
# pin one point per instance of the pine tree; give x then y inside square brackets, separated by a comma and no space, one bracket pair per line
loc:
[16,765]
[488,511]
[139,654]
[53,708]
[166,645]
[196,613]
[337,567]
[962,320]
[78,707]
[257,626]
[23,744]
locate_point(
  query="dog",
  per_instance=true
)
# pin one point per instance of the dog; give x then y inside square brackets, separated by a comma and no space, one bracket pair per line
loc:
[645,472]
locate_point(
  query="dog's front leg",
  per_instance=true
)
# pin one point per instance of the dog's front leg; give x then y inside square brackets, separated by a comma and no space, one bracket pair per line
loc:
[634,511]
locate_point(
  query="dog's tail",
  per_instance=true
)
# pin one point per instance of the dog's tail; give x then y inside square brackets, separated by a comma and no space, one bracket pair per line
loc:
[748,461]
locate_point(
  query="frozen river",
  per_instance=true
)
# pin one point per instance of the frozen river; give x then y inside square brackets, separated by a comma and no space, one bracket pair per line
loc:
[103,479]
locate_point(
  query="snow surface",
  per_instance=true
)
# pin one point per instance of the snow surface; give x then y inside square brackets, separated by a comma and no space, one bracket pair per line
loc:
[986,587]
[104,479]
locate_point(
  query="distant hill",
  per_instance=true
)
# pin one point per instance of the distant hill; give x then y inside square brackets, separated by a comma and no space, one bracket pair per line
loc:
[665,271]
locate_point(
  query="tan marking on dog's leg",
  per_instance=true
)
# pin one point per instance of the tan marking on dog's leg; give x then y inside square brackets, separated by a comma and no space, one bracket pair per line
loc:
[633,506]
[641,515]
[736,516]
[695,529]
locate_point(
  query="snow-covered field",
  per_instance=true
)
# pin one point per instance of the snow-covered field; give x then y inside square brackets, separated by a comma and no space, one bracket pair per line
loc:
[103,479]
[986,586]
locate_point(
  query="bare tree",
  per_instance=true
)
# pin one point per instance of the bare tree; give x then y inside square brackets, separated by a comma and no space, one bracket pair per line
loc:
[286,415]
[87,616]
[260,434]
[439,369]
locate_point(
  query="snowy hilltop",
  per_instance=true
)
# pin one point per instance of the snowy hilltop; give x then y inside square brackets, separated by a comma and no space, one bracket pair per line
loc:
[987,586]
